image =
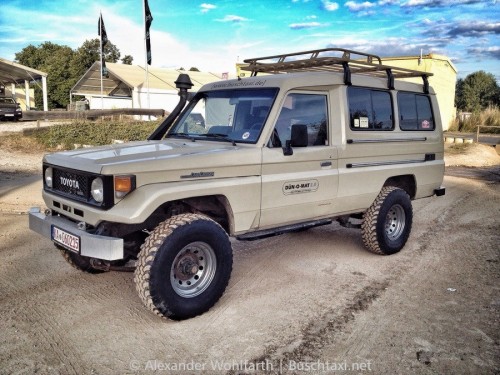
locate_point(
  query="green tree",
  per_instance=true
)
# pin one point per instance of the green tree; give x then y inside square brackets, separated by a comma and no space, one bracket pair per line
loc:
[127,60]
[55,60]
[64,66]
[476,92]
[89,52]
[59,77]
[194,69]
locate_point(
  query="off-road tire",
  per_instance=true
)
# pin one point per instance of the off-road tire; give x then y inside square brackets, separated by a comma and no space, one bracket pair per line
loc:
[77,261]
[167,278]
[387,223]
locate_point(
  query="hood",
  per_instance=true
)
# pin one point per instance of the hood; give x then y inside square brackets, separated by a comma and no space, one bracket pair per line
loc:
[180,157]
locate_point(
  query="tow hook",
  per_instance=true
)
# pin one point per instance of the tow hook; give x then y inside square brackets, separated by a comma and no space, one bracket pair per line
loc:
[106,266]
[99,264]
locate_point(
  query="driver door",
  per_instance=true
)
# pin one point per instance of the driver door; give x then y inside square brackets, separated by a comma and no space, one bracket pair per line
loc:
[301,186]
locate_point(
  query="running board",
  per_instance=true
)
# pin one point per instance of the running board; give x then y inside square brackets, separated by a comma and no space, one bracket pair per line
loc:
[281,230]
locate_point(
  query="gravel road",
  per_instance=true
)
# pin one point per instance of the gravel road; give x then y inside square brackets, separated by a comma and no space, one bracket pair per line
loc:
[310,302]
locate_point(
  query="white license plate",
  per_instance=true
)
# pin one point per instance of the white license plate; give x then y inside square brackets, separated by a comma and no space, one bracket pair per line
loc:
[65,239]
[9,115]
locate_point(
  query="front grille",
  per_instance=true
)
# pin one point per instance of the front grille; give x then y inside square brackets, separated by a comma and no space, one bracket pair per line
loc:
[71,183]
[76,185]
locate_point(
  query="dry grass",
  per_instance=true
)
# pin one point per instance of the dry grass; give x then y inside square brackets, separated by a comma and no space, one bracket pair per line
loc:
[20,143]
[488,117]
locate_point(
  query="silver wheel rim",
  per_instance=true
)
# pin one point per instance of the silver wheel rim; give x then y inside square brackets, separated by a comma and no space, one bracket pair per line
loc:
[193,269]
[395,222]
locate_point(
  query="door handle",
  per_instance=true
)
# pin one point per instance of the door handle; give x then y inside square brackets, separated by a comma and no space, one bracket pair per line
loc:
[326,164]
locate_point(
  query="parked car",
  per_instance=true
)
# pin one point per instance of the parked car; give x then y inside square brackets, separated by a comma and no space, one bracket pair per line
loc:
[9,109]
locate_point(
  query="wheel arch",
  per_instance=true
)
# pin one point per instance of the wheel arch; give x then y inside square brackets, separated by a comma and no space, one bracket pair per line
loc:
[216,207]
[406,182]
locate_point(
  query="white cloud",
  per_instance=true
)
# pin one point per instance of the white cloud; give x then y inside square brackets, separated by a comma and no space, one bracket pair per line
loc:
[329,5]
[207,7]
[388,2]
[167,51]
[353,6]
[306,25]
[232,18]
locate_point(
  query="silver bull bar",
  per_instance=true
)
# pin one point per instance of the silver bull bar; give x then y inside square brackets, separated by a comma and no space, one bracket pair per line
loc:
[91,245]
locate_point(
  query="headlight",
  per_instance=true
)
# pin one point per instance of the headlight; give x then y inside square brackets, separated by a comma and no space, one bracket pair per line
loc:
[97,189]
[48,177]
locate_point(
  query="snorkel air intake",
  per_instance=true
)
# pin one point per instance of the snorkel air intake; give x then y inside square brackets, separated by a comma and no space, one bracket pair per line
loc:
[183,83]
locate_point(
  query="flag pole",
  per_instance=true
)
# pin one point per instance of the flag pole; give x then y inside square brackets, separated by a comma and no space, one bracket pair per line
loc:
[100,49]
[146,52]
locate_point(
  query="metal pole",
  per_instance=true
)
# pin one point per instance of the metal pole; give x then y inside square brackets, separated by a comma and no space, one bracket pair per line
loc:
[146,53]
[100,49]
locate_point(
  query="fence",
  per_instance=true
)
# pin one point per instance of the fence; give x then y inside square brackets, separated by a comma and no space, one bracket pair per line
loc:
[484,126]
[90,114]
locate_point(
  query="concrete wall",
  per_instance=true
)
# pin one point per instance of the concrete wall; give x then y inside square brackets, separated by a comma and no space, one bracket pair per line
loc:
[108,102]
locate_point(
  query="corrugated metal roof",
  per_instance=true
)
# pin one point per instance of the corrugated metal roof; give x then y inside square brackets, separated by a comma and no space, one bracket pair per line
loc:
[11,72]
[123,79]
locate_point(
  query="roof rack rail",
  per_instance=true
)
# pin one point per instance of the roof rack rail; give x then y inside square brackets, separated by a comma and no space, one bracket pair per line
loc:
[328,59]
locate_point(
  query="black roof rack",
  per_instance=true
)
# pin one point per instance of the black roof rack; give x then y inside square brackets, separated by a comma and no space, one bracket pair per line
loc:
[333,60]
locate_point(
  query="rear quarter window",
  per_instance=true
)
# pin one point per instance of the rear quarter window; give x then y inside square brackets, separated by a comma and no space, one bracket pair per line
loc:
[415,112]
[370,109]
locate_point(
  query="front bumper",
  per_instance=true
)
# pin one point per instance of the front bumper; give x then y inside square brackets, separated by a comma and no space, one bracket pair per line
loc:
[91,245]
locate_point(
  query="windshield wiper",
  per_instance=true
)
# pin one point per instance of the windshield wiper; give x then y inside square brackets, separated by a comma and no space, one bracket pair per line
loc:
[182,135]
[221,136]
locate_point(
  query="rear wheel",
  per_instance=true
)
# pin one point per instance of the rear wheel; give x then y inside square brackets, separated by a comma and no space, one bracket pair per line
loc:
[387,223]
[184,266]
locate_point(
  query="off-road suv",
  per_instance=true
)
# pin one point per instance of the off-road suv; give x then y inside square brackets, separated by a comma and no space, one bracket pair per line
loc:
[333,138]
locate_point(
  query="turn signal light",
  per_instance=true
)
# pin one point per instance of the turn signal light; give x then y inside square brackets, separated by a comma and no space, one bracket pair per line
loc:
[124,185]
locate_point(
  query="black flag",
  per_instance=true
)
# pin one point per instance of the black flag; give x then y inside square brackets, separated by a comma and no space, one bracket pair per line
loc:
[147,21]
[101,31]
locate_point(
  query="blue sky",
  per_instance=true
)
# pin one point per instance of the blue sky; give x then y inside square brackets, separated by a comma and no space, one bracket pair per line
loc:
[213,34]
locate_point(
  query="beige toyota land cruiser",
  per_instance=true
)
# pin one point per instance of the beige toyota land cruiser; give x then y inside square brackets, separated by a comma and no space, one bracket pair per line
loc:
[309,138]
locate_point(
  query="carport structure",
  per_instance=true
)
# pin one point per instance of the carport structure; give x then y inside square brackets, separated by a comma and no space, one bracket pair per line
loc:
[13,73]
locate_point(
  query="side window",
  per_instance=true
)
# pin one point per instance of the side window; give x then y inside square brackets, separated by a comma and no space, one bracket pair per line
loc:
[370,109]
[303,109]
[415,112]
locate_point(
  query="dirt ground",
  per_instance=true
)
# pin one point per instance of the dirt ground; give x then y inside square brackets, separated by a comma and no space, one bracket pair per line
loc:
[314,302]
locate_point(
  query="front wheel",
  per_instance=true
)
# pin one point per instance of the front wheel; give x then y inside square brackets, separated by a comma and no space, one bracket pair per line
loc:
[184,266]
[387,223]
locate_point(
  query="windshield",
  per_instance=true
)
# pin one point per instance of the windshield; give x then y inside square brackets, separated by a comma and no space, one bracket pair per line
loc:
[227,115]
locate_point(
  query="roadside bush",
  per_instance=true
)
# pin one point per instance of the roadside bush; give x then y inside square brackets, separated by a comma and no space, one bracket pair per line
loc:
[488,117]
[94,133]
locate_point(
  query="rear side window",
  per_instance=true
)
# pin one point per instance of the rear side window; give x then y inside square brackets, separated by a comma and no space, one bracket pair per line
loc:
[370,109]
[415,112]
